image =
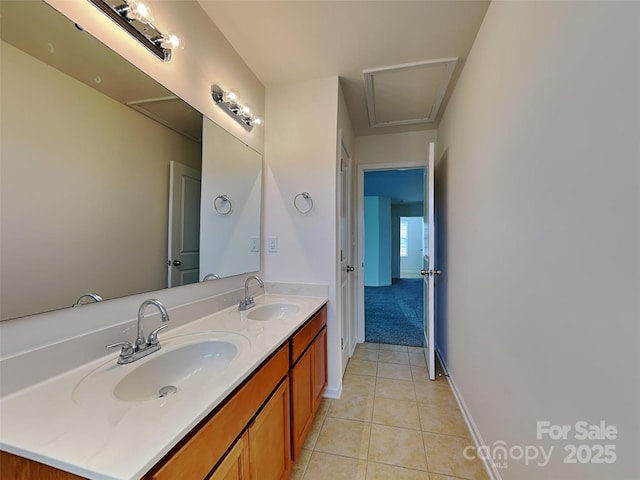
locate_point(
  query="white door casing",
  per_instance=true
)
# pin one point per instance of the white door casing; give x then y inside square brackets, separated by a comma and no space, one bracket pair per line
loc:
[184,225]
[347,270]
[428,269]
[360,327]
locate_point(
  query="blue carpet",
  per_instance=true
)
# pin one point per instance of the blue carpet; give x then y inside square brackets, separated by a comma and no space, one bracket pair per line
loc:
[394,314]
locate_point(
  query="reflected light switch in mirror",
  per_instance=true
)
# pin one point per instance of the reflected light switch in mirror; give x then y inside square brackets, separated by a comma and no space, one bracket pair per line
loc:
[254,244]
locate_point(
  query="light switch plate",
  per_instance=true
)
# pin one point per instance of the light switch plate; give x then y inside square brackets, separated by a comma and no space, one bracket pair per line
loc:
[273,244]
[254,244]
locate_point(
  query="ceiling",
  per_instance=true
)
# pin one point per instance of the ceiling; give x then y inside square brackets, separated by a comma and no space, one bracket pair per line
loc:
[289,41]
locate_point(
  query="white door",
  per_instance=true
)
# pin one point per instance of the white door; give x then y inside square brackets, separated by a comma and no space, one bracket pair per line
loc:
[184,225]
[428,268]
[347,274]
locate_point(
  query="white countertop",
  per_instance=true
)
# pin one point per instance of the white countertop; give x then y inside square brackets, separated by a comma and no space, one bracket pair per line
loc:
[71,424]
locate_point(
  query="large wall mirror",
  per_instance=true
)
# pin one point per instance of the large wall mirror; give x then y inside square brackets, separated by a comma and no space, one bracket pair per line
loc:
[89,147]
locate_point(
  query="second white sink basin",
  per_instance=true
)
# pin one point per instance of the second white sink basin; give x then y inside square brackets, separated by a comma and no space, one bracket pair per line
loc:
[272,311]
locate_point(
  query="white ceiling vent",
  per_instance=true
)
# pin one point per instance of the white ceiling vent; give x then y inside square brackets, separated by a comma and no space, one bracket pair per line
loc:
[407,94]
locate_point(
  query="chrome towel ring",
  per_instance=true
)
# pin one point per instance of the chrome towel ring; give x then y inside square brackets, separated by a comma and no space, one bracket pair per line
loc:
[300,206]
[223,205]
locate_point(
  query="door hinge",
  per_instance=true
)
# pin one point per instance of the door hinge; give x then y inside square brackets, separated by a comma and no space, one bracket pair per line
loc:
[342,344]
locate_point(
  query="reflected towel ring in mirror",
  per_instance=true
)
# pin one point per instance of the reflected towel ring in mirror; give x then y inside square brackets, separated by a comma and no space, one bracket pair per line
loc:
[298,199]
[223,205]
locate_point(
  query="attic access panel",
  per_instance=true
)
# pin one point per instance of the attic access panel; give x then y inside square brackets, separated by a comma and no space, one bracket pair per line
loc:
[407,94]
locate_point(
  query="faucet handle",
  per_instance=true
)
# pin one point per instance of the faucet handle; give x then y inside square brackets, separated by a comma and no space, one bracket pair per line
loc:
[127,348]
[153,336]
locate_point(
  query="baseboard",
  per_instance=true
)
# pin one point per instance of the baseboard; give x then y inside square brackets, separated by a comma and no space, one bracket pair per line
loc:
[332,392]
[490,468]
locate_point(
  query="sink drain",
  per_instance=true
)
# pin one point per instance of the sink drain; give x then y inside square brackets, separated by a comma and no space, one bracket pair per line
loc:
[167,390]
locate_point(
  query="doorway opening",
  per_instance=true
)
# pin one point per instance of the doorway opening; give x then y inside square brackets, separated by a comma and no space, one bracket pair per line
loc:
[392,251]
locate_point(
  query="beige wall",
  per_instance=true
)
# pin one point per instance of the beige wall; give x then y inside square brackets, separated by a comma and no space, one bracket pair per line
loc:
[539,212]
[84,190]
[410,147]
[300,156]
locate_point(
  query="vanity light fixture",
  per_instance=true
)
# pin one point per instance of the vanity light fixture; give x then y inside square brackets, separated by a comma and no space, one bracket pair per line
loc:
[136,17]
[229,101]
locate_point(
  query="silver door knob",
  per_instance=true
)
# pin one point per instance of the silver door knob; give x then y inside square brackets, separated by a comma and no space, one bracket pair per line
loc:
[430,273]
[350,268]
[177,263]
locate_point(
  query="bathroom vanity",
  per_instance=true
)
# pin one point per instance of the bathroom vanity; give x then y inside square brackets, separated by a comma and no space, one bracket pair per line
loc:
[242,413]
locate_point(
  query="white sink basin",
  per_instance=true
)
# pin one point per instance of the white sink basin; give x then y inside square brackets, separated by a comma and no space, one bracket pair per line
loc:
[272,311]
[183,363]
[165,372]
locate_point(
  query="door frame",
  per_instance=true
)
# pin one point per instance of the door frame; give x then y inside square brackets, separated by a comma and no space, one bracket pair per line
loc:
[368,167]
[346,301]
[177,171]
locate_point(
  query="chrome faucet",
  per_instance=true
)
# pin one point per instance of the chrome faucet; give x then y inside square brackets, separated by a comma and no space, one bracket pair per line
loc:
[142,347]
[247,302]
[92,297]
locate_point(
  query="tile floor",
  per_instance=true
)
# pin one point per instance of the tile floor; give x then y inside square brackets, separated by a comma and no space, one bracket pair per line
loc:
[391,423]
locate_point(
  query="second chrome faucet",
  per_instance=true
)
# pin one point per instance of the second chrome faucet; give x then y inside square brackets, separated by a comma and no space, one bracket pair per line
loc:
[143,346]
[247,302]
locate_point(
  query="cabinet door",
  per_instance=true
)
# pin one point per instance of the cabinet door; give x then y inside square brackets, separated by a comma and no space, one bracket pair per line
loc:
[235,465]
[319,367]
[301,400]
[270,438]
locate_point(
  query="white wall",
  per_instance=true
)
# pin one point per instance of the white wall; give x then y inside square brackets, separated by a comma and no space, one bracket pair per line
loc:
[538,157]
[300,156]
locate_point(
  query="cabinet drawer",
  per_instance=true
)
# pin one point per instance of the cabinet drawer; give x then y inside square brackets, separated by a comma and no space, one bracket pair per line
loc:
[204,448]
[303,337]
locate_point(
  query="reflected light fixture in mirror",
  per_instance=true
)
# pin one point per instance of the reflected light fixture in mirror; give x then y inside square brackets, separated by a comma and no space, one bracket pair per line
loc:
[136,17]
[229,101]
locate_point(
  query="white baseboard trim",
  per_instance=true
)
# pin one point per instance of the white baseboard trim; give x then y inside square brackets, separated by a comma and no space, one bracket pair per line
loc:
[333,393]
[489,466]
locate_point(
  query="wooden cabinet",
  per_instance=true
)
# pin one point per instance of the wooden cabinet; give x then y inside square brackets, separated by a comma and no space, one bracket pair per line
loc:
[270,438]
[319,367]
[13,467]
[202,450]
[235,465]
[308,376]
[263,451]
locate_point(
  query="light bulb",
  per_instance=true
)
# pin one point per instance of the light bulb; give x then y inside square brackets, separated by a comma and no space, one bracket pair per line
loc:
[245,110]
[230,96]
[172,41]
[139,11]
[257,121]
